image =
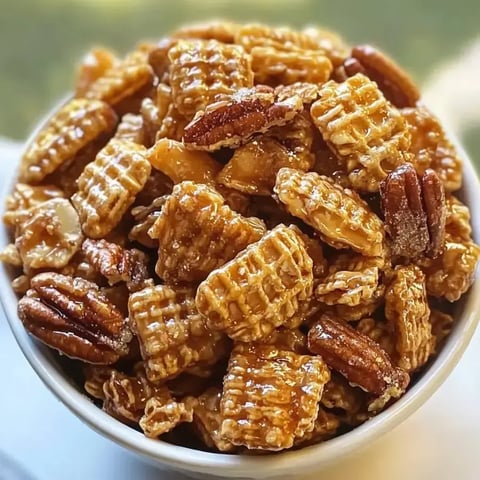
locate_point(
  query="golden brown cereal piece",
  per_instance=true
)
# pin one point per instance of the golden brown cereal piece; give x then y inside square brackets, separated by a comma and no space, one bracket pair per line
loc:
[351,280]
[21,284]
[457,222]
[171,122]
[397,86]
[325,426]
[341,217]
[117,264]
[274,67]
[158,57]
[308,92]
[270,396]
[442,324]
[72,316]
[49,235]
[452,273]
[125,397]
[407,311]
[207,420]
[432,148]
[80,267]
[289,339]
[108,186]
[329,42]
[254,166]
[95,376]
[262,288]
[358,358]
[144,218]
[198,233]
[215,30]
[25,197]
[93,66]
[379,331]
[163,413]
[172,334]
[366,132]
[74,126]
[11,256]
[315,252]
[340,396]
[237,201]
[150,121]
[174,160]
[202,69]
[234,119]
[123,80]
[131,128]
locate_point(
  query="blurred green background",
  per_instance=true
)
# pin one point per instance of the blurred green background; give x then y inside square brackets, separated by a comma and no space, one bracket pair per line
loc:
[41,41]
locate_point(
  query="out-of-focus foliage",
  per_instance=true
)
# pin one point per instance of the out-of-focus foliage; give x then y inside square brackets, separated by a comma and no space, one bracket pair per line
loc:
[41,40]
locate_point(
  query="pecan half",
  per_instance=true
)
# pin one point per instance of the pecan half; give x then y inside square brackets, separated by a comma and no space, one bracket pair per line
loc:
[414,211]
[233,120]
[394,82]
[435,210]
[357,357]
[118,264]
[72,316]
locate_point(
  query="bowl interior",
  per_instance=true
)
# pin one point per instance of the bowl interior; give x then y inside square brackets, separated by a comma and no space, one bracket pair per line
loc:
[46,364]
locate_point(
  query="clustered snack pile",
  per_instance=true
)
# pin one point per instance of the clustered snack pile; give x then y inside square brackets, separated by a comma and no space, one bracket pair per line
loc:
[250,231]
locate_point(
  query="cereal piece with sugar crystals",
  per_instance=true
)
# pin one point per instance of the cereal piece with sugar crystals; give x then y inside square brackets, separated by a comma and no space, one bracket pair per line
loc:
[366,132]
[123,80]
[234,119]
[50,234]
[109,185]
[207,420]
[270,396]
[341,217]
[130,128]
[262,288]
[163,413]
[172,333]
[408,313]
[198,233]
[71,128]
[202,69]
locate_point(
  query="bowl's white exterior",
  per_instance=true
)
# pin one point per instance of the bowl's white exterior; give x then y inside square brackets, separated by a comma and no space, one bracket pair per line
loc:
[291,464]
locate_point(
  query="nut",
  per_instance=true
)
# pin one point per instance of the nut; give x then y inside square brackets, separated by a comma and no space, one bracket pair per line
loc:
[72,316]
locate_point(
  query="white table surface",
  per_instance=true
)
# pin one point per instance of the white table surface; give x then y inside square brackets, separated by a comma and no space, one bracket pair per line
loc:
[440,441]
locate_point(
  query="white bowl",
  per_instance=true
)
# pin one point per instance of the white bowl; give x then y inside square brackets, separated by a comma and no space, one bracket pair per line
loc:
[288,464]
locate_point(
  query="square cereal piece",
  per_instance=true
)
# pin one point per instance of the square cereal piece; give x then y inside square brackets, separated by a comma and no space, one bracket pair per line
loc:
[171,332]
[200,70]
[270,396]
[262,288]
[367,133]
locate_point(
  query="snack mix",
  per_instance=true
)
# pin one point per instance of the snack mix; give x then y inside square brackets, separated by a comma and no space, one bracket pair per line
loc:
[251,231]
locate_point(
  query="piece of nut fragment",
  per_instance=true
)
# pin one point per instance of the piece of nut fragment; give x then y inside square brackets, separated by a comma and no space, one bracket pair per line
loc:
[173,159]
[11,256]
[93,66]
[163,413]
[432,148]
[197,233]
[350,286]
[172,334]
[366,132]
[109,185]
[49,235]
[123,80]
[405,217]
[254,165]
[397,86]
[71,128]
[341,217]
[144,218]
[233,120]
[358,358]
[125,396]
[202,69]
[207,420]
[72,316]
[262,288]
[25,197]
[270,396]
[117,264]
[380,331]
[272,66]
